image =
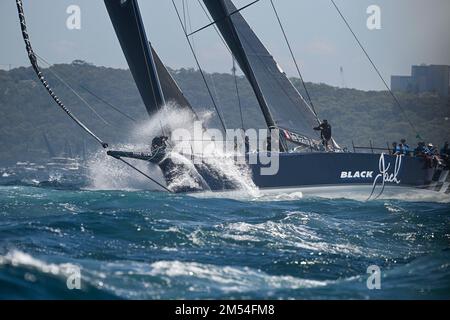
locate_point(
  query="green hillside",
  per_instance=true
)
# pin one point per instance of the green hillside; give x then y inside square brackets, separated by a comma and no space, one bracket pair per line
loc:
[27,112]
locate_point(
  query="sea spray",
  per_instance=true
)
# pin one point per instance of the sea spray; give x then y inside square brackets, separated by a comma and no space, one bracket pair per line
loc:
[218,162]
[107,173]
[224,166]
[167,119]
[148,245]
[186,176]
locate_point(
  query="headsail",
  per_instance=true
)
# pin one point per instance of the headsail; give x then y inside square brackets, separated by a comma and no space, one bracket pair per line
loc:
[154,82]
[281,103]
[171,91]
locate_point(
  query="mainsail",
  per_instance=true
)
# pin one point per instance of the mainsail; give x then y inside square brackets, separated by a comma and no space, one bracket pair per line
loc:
[155,84]
[282,105]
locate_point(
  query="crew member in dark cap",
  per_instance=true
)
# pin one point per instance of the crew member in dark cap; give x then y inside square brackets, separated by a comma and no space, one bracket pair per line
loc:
[325,133]
[159,144]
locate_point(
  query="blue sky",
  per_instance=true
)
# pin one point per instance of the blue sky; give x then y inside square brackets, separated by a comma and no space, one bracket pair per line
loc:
[413,32]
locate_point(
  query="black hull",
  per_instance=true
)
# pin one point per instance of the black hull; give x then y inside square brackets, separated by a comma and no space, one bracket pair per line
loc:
[312,169]
[373,173]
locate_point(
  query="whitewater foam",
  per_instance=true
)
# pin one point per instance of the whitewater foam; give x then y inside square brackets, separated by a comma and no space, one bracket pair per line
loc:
[357,193]
[109,174]
[231,279]
[18,258]
[290,231]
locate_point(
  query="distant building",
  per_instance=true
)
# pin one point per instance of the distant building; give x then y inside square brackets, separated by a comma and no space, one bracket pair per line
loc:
[401,83]
[424,78]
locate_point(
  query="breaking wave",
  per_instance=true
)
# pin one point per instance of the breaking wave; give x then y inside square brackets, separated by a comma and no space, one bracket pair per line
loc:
[152,245]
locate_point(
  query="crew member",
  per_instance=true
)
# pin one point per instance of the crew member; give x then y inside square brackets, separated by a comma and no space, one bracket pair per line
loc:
[430,150]
[394,148]
[403,148]
[430,156]
[325,133]
[159,144]
[247,144]
[420,150]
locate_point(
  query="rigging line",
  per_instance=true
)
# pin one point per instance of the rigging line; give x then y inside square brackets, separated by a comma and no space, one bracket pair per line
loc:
[144,174]
[215,27]
[237,93]
[189,21]
[269,73]
[211,76]
[375,67]
[232,57]
[184,13]
[71,89]
[178,87]
[267,69]
[107,103]
[270,121]
[229,15]
[35,65]
[199,67]
[294,59]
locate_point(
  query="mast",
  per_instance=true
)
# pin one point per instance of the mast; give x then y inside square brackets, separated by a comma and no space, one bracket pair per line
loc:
[282,105]
[220,13]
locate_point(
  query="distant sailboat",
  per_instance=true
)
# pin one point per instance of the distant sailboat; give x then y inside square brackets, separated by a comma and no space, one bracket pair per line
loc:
[50,150]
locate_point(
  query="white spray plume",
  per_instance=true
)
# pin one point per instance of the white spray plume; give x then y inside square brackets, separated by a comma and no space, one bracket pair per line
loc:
[108,173]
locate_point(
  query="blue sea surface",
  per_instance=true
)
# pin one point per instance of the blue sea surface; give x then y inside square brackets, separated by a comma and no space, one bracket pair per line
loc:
[150,245]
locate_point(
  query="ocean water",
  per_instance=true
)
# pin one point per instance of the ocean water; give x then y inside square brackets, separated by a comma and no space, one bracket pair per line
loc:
[134,244]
